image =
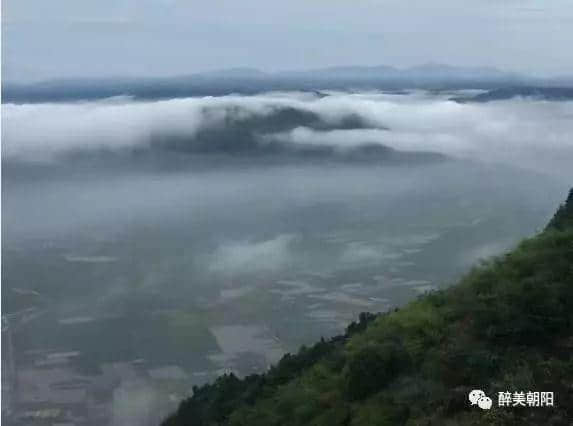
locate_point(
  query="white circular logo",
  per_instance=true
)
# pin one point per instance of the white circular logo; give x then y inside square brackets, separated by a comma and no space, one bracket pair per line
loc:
[475,395]
[484,403]
[479,398]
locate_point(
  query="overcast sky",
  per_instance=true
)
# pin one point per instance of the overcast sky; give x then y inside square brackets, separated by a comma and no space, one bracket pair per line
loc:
[106,38]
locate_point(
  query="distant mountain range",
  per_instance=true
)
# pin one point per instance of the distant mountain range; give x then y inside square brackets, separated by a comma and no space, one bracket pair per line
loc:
[249,81]
[425,73]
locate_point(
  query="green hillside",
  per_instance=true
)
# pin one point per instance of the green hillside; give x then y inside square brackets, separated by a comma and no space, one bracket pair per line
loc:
[505,327]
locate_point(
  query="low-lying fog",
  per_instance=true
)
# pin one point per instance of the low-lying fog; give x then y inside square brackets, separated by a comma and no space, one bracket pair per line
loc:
[218,233]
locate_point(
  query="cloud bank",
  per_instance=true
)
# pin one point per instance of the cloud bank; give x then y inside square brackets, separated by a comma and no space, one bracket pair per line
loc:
[529,133]
[246,257]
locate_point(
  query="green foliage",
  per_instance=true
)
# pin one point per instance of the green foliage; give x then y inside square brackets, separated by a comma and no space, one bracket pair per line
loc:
[381,411]
[508,325]
[364,319]
[372,367]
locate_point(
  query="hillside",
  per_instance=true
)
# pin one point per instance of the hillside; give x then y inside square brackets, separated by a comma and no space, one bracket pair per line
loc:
[505,327]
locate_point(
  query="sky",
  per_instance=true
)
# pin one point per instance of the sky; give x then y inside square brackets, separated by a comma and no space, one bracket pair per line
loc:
[132,38]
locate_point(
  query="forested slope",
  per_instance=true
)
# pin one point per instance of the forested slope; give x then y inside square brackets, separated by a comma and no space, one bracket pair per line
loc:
[506,326]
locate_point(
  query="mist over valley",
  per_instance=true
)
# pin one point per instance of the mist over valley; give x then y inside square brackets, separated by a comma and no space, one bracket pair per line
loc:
[185,238]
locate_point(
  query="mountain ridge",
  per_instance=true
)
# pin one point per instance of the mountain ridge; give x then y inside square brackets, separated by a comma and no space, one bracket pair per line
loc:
[251,72]
[244,80]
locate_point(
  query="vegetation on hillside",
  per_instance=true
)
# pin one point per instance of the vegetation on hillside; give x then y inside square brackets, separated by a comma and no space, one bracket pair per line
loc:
[507,326]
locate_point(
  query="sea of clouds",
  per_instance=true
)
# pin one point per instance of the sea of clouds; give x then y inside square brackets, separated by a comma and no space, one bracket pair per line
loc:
[528,133]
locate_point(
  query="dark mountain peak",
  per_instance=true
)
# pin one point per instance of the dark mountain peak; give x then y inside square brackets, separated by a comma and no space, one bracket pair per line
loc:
[563,217]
